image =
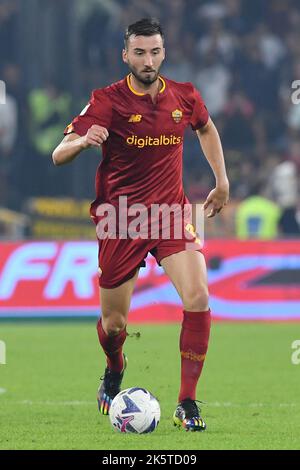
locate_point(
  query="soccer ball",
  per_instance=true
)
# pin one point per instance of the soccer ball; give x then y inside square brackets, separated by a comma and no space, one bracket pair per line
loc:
[134,410]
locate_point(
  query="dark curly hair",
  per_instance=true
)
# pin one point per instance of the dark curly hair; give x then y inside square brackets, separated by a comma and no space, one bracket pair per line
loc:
[143,27]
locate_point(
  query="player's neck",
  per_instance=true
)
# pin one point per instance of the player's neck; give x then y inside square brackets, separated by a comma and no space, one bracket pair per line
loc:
[152,89]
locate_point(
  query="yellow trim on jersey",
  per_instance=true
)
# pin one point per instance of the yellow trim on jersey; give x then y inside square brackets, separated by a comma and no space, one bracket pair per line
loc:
[143,94]
[131,88]
[163,84]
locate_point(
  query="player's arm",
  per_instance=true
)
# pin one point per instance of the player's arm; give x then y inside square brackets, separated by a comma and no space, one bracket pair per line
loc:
[212,149]
[73,144]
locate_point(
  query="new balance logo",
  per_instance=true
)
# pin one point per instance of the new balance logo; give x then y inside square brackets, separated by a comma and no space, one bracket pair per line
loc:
[135,118]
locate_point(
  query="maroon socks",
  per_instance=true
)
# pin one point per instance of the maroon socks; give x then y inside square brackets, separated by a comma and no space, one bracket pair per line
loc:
[193,347]
[112,346]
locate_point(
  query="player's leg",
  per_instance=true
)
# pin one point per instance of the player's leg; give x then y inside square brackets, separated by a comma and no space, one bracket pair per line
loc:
[187,271]
[111,329]
[111,326]
[119,261]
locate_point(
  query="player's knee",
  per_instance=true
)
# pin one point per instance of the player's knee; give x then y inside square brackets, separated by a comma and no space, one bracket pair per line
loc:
[196,299]
[114,325]
[114,330]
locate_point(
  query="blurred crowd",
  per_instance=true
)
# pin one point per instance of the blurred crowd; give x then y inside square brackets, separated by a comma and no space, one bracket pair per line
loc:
[242,55]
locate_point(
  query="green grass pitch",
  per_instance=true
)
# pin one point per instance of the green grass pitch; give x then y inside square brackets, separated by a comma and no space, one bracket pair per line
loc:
[48,387]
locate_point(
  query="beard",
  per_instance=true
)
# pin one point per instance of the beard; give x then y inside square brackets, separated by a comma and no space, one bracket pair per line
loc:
[145,77]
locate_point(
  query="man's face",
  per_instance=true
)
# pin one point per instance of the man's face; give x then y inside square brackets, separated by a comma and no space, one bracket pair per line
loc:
[144,56]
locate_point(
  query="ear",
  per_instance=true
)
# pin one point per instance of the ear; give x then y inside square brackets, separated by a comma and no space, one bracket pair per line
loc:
[124,56]
[164,53]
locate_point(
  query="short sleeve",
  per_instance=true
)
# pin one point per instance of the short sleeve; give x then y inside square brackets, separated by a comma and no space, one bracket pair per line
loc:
[200,114]
[97,111]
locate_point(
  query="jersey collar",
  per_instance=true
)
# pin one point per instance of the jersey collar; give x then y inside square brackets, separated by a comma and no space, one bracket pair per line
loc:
[137,93]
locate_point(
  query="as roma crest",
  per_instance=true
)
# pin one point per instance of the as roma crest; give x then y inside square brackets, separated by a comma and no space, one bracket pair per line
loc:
[177,115]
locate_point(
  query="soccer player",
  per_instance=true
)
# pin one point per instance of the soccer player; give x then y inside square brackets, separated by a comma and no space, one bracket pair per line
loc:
[139,121]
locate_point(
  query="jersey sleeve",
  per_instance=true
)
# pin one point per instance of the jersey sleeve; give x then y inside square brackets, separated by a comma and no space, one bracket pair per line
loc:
[97,111]
[200,114]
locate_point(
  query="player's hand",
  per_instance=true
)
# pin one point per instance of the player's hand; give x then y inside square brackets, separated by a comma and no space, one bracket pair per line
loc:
[217,199]
[95,136]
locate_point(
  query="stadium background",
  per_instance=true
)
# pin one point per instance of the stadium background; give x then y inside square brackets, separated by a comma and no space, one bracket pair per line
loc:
[243,56]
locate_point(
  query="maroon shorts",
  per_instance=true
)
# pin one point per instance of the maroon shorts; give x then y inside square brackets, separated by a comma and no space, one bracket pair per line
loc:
[119,259]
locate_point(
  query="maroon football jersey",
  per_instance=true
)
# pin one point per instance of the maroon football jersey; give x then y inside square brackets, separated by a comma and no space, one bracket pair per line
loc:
[142,158]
